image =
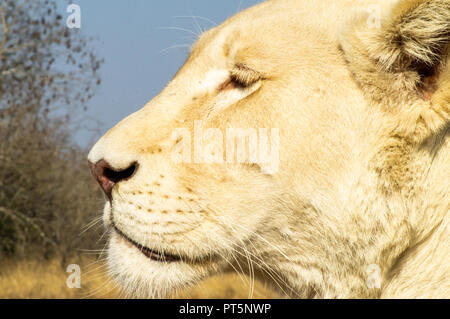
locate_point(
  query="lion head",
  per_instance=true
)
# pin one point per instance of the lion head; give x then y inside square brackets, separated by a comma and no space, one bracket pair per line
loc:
[304,143]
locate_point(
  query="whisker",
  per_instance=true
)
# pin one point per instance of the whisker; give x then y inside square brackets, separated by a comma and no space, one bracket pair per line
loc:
[197,17]
[199,29]
[179,29]
[188,46]
[229,223]
[90,225]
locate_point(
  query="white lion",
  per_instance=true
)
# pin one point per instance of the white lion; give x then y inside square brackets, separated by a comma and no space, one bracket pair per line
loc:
[354,98]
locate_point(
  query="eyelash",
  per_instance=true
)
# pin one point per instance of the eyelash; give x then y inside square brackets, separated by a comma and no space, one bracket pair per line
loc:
[244,77]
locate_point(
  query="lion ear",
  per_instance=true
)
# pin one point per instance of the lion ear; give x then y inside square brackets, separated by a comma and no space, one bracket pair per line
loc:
[405,57]
[415,34]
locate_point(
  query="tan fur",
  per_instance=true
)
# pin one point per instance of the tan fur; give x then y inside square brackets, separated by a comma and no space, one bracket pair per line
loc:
[363,177]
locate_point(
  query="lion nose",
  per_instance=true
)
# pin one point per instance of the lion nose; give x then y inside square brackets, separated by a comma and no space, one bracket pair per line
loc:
[107,176]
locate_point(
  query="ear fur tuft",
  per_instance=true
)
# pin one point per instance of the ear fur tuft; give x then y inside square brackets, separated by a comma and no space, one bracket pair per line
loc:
[417,33]
[404,66]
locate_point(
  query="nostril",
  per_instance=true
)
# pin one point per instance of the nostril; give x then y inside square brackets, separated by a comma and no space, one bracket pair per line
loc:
[117,176]
[107,176]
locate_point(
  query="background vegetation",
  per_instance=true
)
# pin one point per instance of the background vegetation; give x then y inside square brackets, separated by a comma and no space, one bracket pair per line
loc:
[47,74]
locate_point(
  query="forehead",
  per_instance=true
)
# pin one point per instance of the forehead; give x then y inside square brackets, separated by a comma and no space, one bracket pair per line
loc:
[275,30]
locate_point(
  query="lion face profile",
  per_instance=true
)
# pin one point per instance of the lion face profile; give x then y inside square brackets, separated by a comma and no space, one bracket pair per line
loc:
[304,143]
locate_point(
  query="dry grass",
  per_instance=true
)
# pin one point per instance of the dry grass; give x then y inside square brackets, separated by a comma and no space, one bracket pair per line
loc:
[227,286]
[33,279]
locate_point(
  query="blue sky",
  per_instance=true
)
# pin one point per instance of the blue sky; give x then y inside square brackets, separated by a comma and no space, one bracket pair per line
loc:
[143,48]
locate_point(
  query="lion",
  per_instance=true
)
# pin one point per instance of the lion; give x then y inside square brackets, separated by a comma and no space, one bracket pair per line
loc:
[351,97]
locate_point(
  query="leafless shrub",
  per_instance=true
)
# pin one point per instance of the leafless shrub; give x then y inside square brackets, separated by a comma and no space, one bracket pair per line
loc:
[47,74]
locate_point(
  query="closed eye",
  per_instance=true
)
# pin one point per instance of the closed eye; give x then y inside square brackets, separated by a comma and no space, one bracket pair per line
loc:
[241,77]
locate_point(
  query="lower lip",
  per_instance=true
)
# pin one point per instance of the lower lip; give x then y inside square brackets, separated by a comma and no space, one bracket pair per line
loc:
[151,254]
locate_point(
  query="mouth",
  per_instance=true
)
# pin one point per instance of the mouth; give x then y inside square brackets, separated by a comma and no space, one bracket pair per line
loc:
[149,253]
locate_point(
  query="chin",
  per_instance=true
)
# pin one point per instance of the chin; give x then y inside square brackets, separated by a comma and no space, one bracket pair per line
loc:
[142,277]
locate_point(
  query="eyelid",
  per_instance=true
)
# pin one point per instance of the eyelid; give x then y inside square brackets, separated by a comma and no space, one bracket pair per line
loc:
[244,76]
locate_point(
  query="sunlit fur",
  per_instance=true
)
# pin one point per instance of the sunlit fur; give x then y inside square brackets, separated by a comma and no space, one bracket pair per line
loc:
[363,178]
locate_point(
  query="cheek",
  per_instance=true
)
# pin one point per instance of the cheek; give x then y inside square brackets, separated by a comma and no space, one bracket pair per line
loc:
[235,196]
[229,97]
